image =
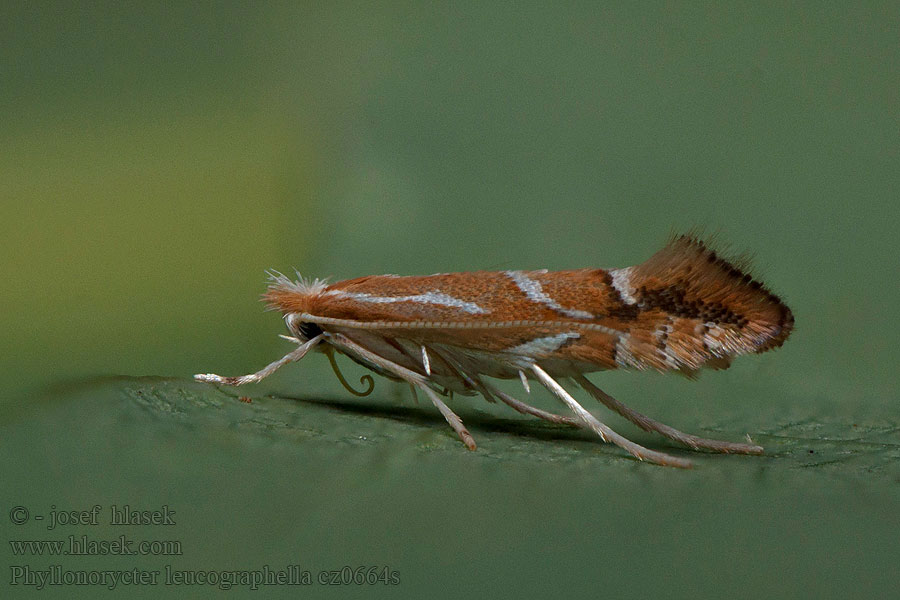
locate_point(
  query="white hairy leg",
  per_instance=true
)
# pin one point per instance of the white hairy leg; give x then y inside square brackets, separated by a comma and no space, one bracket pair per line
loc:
[648,424]
[605,433]
[294,356]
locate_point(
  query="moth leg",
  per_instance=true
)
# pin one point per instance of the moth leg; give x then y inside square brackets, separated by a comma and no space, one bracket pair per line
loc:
[472,380]
[294,356]
[605,433]
[527,409]
[648,424]
[412,378]
[452,418]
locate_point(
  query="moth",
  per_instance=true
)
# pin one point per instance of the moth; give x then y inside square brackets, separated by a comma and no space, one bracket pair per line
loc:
[685,309]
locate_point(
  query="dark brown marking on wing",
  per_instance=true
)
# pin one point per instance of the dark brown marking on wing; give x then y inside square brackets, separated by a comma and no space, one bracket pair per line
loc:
[673,301]
[618,309]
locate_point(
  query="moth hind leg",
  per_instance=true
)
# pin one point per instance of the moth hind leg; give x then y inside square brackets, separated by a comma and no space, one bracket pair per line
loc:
[527,409]
[591,422]
[651,425]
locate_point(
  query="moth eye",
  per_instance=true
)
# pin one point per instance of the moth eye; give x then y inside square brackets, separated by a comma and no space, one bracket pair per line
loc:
[301,329]
[309,330]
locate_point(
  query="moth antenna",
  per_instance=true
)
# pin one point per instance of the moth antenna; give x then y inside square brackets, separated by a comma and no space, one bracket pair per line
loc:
[365,379]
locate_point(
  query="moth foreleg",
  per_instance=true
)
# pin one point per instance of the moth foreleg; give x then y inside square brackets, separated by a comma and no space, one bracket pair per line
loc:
[290,357]
[605,433]
[648,424]
[413,378]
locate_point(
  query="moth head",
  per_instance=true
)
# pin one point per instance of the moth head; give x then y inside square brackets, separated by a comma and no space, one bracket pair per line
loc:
[302,330]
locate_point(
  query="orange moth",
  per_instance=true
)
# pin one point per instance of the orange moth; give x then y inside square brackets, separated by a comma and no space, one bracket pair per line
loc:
[684,309]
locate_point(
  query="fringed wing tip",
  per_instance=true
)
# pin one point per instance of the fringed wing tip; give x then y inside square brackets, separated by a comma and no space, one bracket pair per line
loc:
[697,287]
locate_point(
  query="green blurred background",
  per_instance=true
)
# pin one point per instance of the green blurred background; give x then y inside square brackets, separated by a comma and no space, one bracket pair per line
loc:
[158,159]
